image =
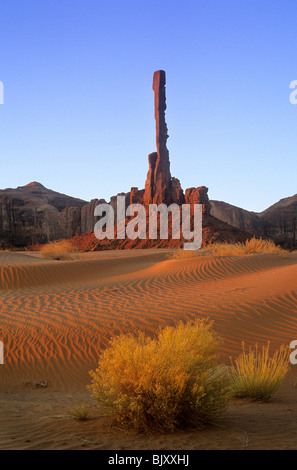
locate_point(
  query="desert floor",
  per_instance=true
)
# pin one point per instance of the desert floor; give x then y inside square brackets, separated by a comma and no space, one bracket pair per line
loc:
[56,317]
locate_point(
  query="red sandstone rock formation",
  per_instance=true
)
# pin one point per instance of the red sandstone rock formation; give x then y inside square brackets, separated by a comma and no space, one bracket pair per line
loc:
[159,186]
[33,214]
[136,196]
[213,230]
[198,196]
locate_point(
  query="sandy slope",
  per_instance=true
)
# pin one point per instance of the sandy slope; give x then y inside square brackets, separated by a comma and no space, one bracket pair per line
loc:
[56,317]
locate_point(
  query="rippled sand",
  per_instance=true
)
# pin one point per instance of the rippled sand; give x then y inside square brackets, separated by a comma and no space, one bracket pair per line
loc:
[56,317]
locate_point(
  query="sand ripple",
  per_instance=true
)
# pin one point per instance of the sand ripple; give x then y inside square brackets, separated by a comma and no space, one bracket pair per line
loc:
[57,316]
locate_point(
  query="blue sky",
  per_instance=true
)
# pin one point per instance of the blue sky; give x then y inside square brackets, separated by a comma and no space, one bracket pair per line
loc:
[78,107]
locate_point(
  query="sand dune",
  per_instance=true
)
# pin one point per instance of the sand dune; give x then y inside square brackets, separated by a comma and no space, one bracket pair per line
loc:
[56,317]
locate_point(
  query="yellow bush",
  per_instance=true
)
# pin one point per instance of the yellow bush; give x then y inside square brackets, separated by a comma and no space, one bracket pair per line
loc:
[254,245]
[61,250]
[163,383]
[259,245]
[226,249]
[257,376]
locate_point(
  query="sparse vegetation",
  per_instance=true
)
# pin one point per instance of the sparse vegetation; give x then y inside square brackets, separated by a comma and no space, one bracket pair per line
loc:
[252,246]
[60,250]
[171,381]
[80,411]
[259,245]
[256,375]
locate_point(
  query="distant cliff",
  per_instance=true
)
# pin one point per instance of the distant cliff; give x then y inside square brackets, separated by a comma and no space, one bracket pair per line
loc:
[278,222]
[34,214]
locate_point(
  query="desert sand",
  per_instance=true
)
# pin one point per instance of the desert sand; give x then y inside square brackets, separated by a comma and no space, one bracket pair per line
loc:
[56,317]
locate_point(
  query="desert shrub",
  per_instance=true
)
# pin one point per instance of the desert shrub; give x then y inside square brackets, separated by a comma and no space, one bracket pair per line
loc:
[163,383]
[225,249]
[254,245]
[80,411]
[259,245]
[61,250]
[256,375]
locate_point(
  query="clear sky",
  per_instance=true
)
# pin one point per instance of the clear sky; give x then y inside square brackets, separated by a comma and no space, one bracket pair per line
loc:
[78,112]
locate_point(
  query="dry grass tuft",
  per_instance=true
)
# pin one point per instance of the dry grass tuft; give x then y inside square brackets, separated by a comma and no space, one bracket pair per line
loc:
[256,375]
[61,250]
[80,411]
[164,383]
[252,246]
[259,245]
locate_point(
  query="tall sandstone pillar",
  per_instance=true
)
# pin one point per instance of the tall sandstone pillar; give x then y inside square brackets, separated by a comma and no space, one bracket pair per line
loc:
[159,186]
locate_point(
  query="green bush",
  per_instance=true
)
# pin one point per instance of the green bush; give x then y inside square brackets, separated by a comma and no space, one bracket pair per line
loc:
[171,381]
